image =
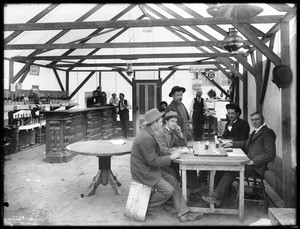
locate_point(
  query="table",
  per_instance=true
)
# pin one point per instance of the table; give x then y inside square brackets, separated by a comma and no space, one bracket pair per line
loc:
[104,150]
[235,161]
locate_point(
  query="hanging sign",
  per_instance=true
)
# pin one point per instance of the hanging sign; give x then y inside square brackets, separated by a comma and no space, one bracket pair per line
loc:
[34,70]
[211,74]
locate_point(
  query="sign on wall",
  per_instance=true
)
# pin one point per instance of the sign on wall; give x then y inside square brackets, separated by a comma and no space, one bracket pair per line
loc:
[34,70]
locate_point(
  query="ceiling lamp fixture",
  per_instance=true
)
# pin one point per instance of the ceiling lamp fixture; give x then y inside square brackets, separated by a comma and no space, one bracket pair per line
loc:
[232,43]
[129,70]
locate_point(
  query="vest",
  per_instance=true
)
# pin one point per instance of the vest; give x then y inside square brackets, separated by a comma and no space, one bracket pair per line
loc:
[198,107]
[125,103]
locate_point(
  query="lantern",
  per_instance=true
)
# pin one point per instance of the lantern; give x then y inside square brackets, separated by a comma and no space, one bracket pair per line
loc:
[233,42]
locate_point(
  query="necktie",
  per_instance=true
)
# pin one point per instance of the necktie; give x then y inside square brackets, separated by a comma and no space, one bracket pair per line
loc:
[252,134]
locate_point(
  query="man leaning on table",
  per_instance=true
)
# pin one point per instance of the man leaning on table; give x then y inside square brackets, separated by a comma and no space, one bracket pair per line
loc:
[171,139]
[260,149]
[146,165]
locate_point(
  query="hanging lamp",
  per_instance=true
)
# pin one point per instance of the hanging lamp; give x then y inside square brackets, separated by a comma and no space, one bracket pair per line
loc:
[232,43]
[129,70]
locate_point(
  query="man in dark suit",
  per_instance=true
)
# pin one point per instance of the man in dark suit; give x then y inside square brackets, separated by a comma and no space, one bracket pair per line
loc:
[92,100]
[145,166]
[123,108]
[260,149]
[236,129]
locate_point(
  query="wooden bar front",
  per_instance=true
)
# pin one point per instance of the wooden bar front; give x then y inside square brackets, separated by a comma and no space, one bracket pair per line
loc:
[64,127]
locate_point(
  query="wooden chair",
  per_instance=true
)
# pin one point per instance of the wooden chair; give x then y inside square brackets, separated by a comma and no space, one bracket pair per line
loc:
[137,201]
[257,186]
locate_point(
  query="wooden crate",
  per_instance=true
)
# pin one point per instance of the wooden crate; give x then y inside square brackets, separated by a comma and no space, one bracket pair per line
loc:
[137,201]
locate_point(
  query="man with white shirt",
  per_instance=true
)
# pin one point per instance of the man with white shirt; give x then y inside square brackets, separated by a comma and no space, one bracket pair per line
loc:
[197,109]
[236,129]
[260,149]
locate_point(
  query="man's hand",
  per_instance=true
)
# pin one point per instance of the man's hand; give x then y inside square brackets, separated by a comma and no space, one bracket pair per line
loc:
[175,155]
[227,145]
[250,163]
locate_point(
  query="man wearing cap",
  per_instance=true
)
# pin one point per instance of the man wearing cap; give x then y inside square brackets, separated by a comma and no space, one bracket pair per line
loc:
[260,148]
[198,108]
[146,163]
[183,115]
[236,129]
[170,140]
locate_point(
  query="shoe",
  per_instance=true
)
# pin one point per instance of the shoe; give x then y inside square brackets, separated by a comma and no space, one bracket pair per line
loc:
[212,200]
[190,216]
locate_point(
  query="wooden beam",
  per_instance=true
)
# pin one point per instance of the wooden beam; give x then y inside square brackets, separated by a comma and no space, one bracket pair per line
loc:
[289,187]
[125,56]
[280,7]
[58,80]
[134,23]
[217,85]
[115,45]
[224,71]
[67,82]
[244,29]
[266,73]
[258,79]
[232,68]
[245,94]
[23,69]
[116,65]
[168,76]
[11,74]
[245,64]
[33,20]
[82,83]
[125,77]
[24,76]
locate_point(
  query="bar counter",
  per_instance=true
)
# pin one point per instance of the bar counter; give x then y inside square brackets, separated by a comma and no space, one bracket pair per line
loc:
[64,127]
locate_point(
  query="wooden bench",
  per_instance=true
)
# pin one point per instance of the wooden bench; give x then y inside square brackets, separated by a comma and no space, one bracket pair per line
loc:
[282,216]
[137,201]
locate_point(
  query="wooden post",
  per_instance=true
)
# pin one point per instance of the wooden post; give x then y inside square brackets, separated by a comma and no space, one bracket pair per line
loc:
[245,94]
[258,79]
[288,186]
[11,75]
[67,82]
[100,83]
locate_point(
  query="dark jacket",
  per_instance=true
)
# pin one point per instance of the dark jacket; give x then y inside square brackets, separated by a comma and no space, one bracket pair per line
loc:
[261,148]
[90,102]
[173,106]
[239,132]
[145,159]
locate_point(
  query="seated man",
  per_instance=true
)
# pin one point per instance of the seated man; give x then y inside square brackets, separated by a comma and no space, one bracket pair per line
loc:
[171,139]
[260,149]
[146,163]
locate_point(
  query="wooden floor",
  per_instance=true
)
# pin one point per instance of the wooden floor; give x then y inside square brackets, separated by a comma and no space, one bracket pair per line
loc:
[40,193]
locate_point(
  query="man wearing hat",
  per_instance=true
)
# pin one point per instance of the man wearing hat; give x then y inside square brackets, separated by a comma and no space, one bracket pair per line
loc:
[236,129]
[183,115]
[146,163]
[170,140]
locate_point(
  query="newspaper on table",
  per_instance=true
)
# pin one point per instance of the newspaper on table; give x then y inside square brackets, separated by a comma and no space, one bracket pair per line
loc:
[118,142]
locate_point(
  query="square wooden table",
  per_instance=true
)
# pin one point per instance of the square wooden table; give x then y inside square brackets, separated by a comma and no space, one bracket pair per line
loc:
[234,161]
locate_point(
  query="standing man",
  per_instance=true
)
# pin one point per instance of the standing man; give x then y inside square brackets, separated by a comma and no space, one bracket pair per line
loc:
[114,100]
[170,140]
[236,129]
[146,163]
[260,149]
[124,107]
[197,109]
[183,115]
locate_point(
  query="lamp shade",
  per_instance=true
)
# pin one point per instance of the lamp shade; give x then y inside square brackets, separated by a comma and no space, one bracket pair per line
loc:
[232,43]
[129,70]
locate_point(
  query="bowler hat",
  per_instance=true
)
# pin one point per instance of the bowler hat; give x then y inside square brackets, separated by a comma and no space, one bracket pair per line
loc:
[234,106]
[282,76]
[152,115]
[171,114]
[176,88]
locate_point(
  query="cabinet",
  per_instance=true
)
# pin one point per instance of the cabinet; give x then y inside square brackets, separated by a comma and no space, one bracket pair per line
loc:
[67,126]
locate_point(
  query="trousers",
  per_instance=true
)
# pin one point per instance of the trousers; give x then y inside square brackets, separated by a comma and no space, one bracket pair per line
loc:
[168,186]
[124,118]
[228,178]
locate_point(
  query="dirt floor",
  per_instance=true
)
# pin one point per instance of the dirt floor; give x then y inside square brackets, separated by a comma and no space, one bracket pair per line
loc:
[40,193]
